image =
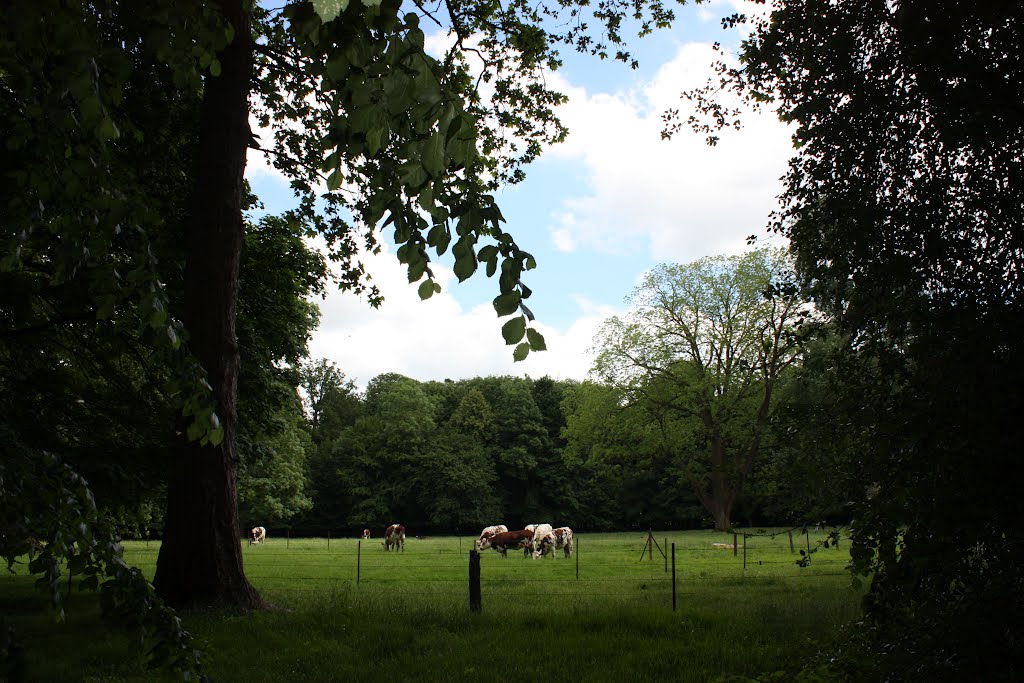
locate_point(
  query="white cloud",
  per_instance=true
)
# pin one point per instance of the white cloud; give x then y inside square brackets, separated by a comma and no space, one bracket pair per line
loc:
[681,198]
[435,339]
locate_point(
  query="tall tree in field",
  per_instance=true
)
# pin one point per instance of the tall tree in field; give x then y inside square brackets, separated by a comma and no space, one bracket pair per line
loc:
[904,203]
[700,352]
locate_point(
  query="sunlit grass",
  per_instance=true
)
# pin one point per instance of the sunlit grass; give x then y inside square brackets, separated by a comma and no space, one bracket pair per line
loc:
[350,611]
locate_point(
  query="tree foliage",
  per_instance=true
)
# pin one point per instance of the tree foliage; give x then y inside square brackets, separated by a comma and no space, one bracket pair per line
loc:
[700,355]
[903,203]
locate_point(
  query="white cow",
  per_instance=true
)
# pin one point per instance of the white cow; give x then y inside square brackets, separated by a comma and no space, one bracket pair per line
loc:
[543,537]
[257,535]
[366,534]
[488,532]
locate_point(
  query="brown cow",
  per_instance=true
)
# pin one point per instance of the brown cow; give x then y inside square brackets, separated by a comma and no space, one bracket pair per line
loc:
[501,542]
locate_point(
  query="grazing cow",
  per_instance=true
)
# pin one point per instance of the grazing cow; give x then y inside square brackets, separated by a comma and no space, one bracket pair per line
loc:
[504,540]
[257,535]
[366,534]
[490,531]
[394,536]
[528,549]
[559,538]
[543,540]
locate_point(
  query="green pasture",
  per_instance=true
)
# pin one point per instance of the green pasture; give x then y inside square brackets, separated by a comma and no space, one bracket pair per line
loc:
[345,610]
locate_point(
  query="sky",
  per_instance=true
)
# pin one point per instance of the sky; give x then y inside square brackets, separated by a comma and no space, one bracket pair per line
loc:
[597,212]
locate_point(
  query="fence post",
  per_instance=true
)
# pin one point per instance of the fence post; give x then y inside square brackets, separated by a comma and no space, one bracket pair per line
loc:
[790,532]
[807,535]
[673,576]
[474,581]
[576,552]
[744,553]
[666,557]
[359,557]
[735,546]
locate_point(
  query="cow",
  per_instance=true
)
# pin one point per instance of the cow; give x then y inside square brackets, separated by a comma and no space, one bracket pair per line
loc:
[257,535]
[504,540]
[394,536]
[528,549]
[544,544]
[563,540]
[366,534]
[543,538]
[490,531]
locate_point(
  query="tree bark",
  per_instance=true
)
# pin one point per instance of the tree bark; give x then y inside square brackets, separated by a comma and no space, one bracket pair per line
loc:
[200,561]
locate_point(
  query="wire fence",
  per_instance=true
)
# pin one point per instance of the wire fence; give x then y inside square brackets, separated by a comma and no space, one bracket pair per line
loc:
[610,567]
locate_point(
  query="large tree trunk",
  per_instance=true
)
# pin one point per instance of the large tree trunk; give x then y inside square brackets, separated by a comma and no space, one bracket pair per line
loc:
[200,562]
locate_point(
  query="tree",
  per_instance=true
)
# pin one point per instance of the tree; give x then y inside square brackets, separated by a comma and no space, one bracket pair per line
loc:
[903,205]
[624,476]
[352,96]
[701,353]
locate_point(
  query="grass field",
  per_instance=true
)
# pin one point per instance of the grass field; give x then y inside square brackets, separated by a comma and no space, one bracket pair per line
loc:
[348,611]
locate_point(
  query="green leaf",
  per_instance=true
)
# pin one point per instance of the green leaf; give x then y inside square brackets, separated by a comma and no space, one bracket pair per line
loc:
[334,181]
[506,304]
[514,330]
[536,340]
[521,352]
[375,138]
[329,9]
[426,289]
[433,155]
[465,259]
[215,69]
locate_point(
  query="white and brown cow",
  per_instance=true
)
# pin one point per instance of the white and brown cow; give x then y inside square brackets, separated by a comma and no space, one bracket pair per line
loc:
[563,540]
[529,549]
[257,535]
[366,534]
[490,531]
[394,536]
[504,540]
[543,538]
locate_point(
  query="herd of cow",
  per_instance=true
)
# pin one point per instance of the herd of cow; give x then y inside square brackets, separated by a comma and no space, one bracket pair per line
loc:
[536,539]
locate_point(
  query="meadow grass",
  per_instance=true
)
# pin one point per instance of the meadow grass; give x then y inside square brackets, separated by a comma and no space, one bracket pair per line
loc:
[346,610]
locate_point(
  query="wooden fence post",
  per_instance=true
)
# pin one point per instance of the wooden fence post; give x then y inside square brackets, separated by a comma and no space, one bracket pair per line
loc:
[735,546]
[807,535]
[474,581]
[744,553]
[673,576]
[359,557]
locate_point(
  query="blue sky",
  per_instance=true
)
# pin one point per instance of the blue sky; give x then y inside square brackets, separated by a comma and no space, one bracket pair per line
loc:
[597,212]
